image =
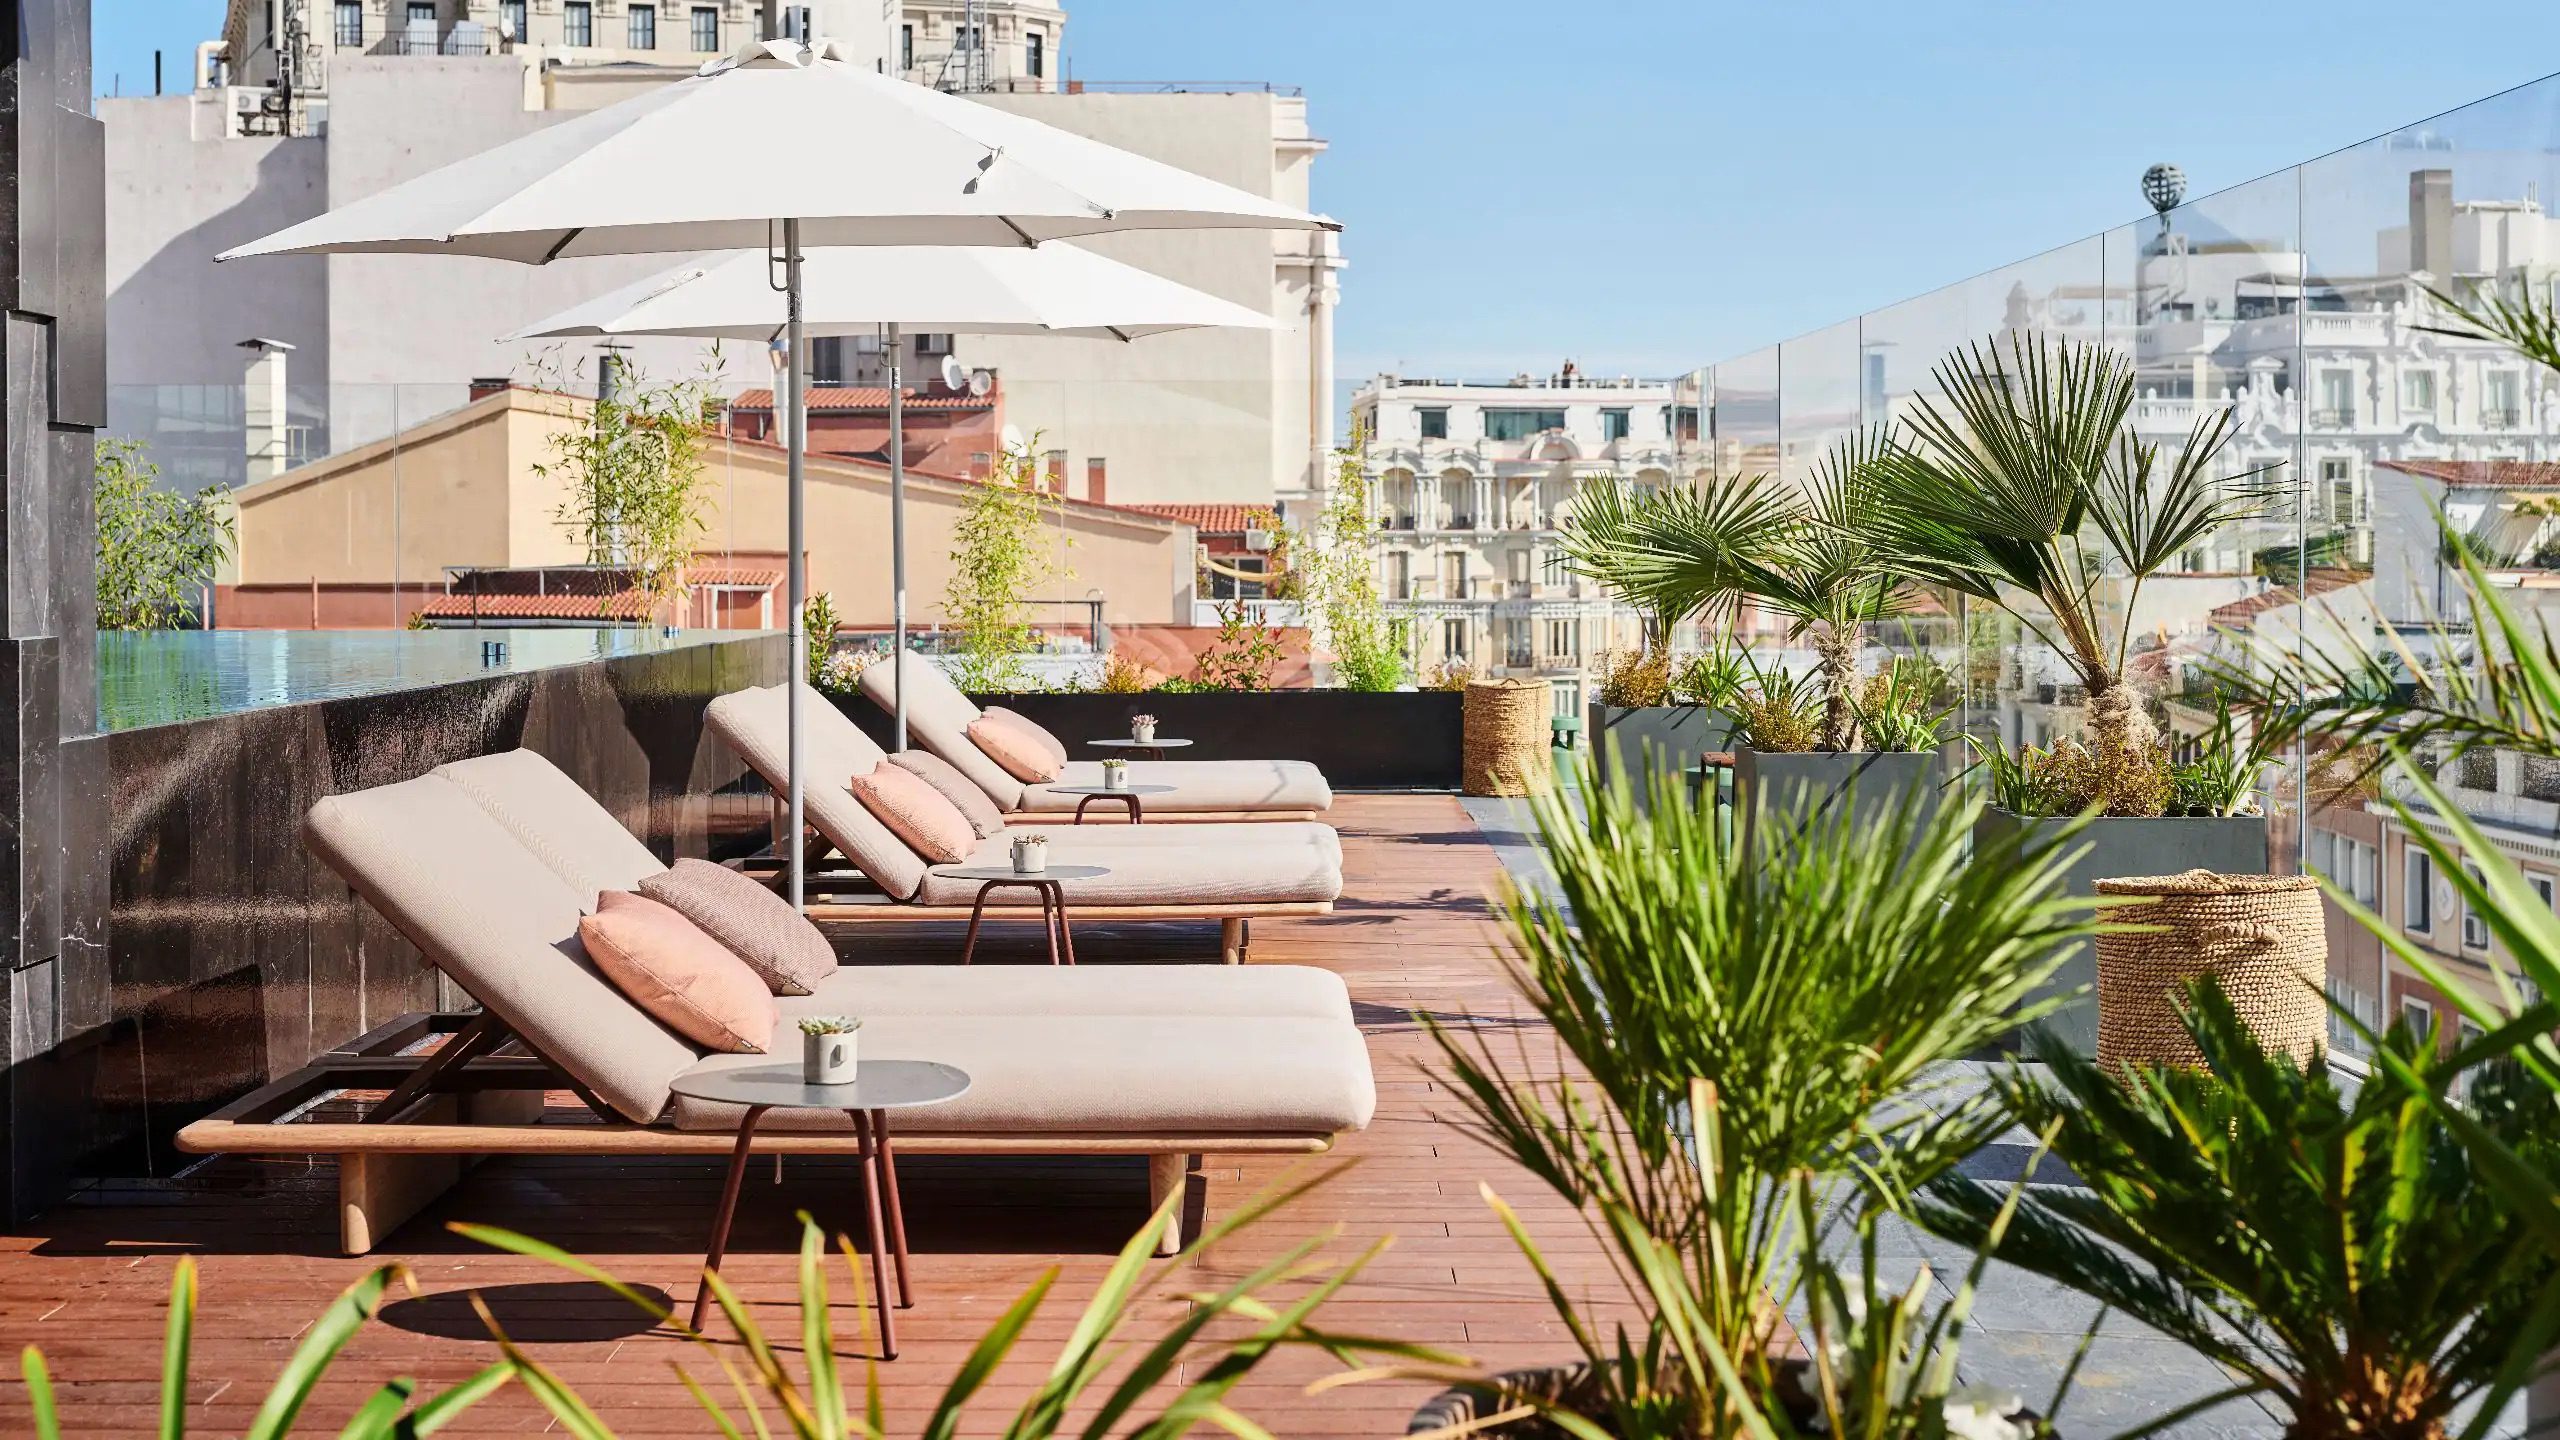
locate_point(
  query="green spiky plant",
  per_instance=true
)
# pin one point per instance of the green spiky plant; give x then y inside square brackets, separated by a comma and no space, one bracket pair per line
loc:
[1680,553]
[1741,1026]
[2336,1248]
[395,1411]
[1105,1380]
[2023,486]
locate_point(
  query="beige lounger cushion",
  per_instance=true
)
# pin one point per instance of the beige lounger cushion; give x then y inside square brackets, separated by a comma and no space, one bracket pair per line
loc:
[753,723]
[938,717]
[1197,785]
[1256,991]
[497,919]
[1114,1074]
[555,818]
[1239,864]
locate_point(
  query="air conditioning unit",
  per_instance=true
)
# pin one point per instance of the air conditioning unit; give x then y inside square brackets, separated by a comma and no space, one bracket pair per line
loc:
[1257,539]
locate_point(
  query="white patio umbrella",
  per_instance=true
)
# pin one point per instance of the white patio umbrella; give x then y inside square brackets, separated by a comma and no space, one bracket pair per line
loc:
[976,290]
[664,173]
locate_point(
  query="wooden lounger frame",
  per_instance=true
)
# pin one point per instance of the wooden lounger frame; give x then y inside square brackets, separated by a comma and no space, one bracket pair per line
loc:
[470,1099]
[1163,817]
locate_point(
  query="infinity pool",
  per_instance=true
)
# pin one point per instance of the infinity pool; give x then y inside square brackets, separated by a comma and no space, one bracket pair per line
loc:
[155,677]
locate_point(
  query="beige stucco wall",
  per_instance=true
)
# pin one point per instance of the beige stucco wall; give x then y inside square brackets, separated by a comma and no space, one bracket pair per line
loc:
[467,493]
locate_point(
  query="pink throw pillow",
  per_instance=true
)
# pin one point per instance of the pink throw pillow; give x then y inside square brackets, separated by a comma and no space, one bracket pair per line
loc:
[1022,748]
[917,813]
[671,969]
[1051,744]
[959,789]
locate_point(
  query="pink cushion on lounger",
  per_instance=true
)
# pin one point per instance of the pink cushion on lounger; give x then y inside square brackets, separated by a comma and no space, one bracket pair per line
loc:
[1027,752]
[917,813]
[959,789]
[749,921]
[671,969]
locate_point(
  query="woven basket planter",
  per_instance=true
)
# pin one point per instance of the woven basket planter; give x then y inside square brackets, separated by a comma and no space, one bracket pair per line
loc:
[1506,746]
[2261,936]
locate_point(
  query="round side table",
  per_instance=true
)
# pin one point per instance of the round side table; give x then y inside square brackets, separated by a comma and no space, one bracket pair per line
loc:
[1053,899]
[878,1087]
[1152,749]
[1126,794]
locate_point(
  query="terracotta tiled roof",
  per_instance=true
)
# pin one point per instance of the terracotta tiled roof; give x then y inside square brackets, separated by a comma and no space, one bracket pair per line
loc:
[865,397]
[624,606]
[2275,597]
[2482,474]
[1209,519]
[734,575]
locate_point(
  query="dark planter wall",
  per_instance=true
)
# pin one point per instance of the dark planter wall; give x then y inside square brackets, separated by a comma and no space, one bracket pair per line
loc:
[1671,736]
[232,956]
[2119,848]
[1361,740]
[1874,785]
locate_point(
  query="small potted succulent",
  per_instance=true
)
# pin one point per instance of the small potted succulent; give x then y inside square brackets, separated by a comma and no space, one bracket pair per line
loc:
[1115,774]
[1030,854]
[827,1049]
[1142,728]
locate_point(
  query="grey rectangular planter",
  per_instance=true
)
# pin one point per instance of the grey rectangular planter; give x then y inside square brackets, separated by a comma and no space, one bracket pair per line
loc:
[2117,849]
[1671,737]
[1813,782]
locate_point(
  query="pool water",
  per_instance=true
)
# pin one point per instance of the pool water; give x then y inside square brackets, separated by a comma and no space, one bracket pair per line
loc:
[155,677]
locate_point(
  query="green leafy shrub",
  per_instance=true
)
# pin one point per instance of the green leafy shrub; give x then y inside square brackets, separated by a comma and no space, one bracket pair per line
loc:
[1244,654]
[1000,558]
[633,478]
[1336,570]
[157,549]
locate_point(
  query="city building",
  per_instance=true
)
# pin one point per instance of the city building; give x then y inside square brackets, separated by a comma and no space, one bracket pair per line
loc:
[285,122]
[1474,480]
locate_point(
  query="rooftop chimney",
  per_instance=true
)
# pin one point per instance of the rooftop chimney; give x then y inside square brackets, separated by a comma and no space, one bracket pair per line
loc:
[264,409]
[2431,223]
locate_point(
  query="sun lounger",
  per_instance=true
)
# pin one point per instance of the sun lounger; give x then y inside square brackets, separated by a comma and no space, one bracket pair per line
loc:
[938,717]
[1233,873]
[486,866]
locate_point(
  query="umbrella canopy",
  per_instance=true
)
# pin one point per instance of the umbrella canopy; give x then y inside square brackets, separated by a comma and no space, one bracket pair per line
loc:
[1053,290]
[666,173]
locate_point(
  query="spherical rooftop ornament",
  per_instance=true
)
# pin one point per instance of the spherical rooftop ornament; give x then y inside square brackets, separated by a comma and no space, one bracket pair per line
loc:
[2164,186]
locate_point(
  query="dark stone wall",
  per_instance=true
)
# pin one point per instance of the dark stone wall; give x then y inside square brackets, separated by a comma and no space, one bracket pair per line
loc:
[52,399]
[235,957]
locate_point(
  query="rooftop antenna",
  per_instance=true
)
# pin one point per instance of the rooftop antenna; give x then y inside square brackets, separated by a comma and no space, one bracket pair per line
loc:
[2165,186]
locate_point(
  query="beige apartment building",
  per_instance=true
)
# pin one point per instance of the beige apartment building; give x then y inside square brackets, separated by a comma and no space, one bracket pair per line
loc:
[369,533]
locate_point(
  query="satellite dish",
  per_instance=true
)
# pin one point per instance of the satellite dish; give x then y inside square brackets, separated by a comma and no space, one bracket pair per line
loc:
[980,382]
[1011,437]
[954,375]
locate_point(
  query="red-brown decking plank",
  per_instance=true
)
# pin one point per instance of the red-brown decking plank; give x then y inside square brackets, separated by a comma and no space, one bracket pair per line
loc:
[1411,937]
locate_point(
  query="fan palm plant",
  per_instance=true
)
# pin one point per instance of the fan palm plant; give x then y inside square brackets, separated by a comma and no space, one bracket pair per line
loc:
[2337,1249]
[1678,553]
[2023,480]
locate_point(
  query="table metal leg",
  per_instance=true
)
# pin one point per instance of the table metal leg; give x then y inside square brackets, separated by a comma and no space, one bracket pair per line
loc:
[1066,935]
[871,1187]
[719,1246]
[977,913]
[1048,920]
[897,1216]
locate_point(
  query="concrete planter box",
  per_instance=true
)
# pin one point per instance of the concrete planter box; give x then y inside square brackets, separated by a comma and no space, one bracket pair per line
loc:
[1672,736]
[2117,848]
[1361,740]
[1875,784]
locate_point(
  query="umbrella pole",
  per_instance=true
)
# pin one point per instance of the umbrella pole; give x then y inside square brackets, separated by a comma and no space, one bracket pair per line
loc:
[898,525]
[796,423]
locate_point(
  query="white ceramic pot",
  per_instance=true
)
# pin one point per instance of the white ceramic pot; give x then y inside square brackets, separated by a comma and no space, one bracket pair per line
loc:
[1030,857]
[1143,734]
[828,1059]
[1115,777]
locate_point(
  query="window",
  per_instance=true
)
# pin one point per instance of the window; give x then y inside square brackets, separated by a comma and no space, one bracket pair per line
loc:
[2324,853]
[968,37]
[1520,424]
[1435,423]
[2475,930]
[906,47]
[419,34]
[2500,409]
[1613,424]
[1400,575]
[2338,488]
[2541,888]
[2418,1015]
[1453,639]
[706,29]
[2417,902]
[643,28]
[578,23]
[1035,54]
[1560,639]
[350,24]
[2364,871]
[2418,392]
[2337,398]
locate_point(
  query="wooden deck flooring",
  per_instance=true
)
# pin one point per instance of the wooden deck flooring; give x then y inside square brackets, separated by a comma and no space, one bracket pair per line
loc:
[1412,937]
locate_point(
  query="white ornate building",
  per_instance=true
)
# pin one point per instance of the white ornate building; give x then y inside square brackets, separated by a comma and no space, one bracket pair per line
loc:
[1473,481]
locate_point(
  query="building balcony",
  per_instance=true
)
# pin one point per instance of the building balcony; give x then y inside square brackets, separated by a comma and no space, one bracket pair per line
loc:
[2332,419]
[2501,419]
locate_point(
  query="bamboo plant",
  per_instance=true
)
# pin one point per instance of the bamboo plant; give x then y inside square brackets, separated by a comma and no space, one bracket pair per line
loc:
[2024,487]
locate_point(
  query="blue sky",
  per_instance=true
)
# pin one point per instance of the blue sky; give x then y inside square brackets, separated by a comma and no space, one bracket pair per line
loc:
[1648,185]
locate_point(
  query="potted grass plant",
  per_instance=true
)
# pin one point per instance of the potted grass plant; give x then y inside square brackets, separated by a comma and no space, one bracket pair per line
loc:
[2023,486]
[1743,1074]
